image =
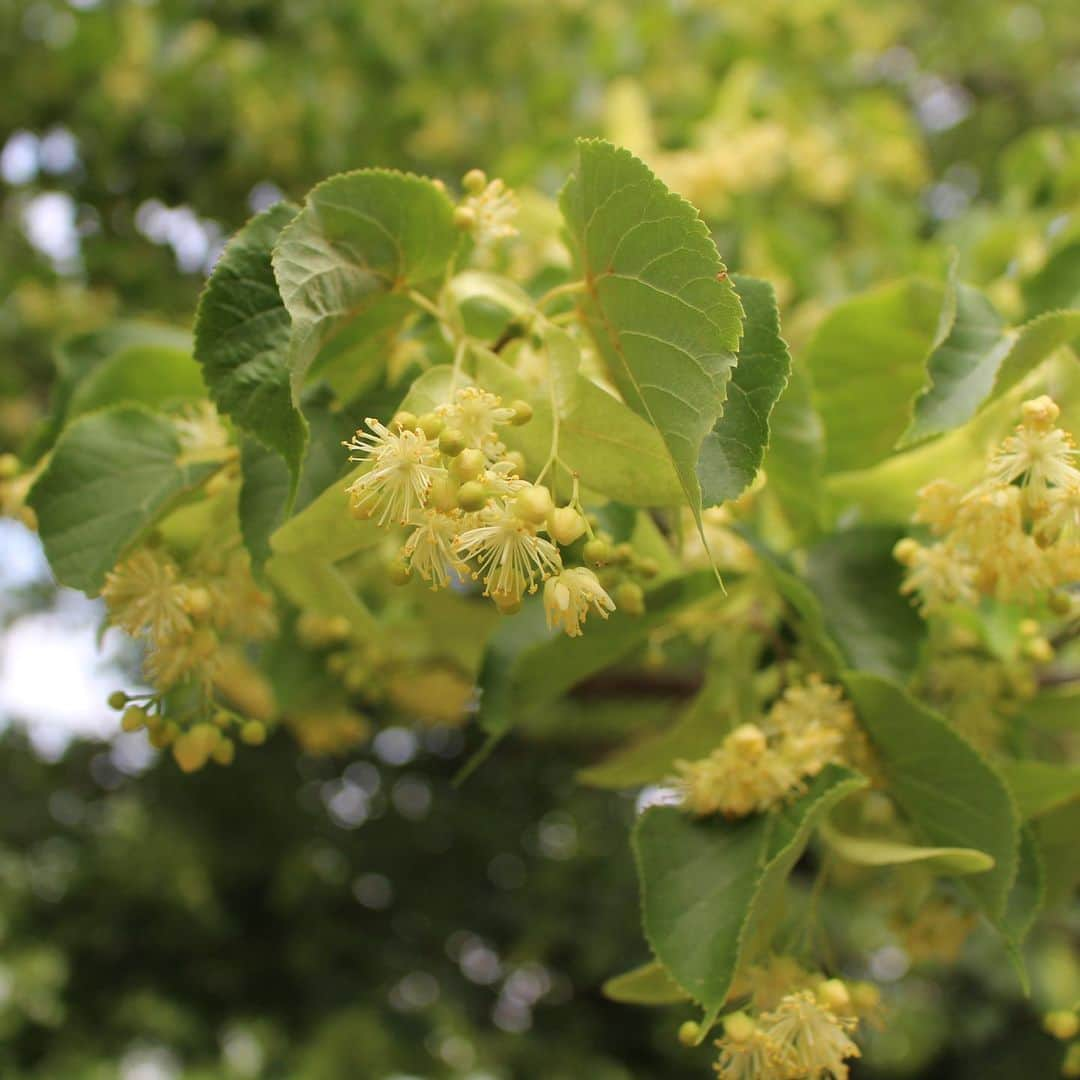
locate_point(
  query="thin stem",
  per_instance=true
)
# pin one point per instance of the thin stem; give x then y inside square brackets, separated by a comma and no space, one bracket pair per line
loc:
[459,360]
[569,288]
[553,398]
[421,301]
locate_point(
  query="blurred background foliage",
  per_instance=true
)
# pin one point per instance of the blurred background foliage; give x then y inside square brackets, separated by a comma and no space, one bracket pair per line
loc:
[349,917]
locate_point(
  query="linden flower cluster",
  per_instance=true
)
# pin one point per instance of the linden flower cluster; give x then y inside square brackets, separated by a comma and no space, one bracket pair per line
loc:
[186,619]
[757,766]
[487,210]
[449,478]
[1016,535]
[806,1035]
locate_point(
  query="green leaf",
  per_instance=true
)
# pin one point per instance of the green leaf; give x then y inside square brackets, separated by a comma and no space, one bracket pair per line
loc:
[807,609]
[80,356]
[733,451]
[981,359]
[1057,284]
[658,303]
[112,475]
[151,375]
[867,362]
[527,666]
[266,486]
[944,786]
[345,264]
[613,451]
[649,984]
[867,851]
[242,333]
[795,459]
[1055,836]
[701,880]
[1040,786]
[1026,898]
[857,582]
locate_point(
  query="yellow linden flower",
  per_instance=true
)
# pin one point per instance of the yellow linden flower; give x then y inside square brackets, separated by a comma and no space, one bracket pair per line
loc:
[429,549]
[569,597]
[749,1053]
[476,414]
[938,504]
[1040,455]
[202,434]
[937,573]
[813,1041]
[489,211]
[145,597]
[403,466]
[739,777]
[510,554]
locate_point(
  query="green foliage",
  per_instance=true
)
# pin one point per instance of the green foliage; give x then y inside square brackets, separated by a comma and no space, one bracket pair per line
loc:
[704,882]
[657,303]
[346,261]
[948,791]
[242,333]
[112,475]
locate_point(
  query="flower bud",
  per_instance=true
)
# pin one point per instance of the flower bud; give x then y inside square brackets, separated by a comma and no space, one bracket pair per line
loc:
[431,425]
[403,421]
[738,1027]
[224,752]
[905,550]
[597,552]
[689,1033]
[1039,650]
[474,181]
[117,699]
[834,995]
[464,218]
[469,464]
[189,752]
[134,717]
[565,525]
[471,496]
[533,504]
[621,554]
[398,572]
[630,598]
[9,466]
[647,567]
[1062,1024]
[451,442]
[523,412]
[253,733]
[198,601]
